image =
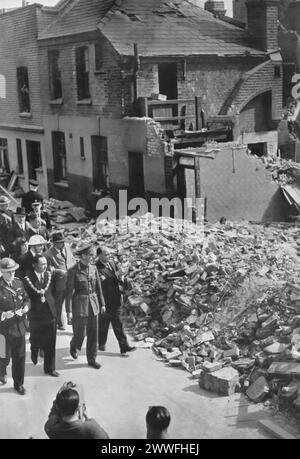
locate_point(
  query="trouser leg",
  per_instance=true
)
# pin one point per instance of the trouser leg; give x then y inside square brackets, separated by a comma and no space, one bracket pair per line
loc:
[92,337]
[79,331]
[49,346]
[119,331]
[18,360]
[4,362]
[104,321]
[59,301]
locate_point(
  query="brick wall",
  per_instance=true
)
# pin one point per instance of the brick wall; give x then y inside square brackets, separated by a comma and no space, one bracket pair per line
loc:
[260,80]
[108,90]
[256,115]
[18,31]
[211,79]
[262,22]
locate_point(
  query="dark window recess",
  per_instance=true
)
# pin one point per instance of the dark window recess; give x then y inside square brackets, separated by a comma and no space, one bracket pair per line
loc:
[34,158]
[23,89]
[54,75]
[82,73]
[98,56]
[20,157]
[136,174]
[4,164]
[100,163]
[277,71]
[82,152]
[59,156]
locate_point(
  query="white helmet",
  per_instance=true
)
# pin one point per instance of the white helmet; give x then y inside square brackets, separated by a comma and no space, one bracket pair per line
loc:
[37,240]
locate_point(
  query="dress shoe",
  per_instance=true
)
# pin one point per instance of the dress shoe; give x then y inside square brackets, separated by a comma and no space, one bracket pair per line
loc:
[73,353]
[102,348]
[20,389]
[3,380]
[95,365]
[128,349]
[34,357]
[53,373]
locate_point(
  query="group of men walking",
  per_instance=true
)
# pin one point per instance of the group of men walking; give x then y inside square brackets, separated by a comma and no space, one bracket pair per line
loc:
[35,284]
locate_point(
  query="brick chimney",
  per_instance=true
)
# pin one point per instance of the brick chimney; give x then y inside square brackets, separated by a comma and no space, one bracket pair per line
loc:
[217,8]
[263,22]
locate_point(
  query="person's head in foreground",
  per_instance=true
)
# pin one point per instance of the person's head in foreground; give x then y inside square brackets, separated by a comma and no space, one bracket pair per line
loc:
[67,402]
[158,420]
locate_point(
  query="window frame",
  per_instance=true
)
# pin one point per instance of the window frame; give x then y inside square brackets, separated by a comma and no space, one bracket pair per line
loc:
[55,77]
[20,157]
[23,90]
[82,65]
[4,157]
[59,156]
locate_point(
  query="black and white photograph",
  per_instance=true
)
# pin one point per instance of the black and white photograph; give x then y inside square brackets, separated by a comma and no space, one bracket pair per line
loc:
[149,222]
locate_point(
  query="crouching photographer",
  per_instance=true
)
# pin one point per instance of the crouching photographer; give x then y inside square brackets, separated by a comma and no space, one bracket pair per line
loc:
[68,418]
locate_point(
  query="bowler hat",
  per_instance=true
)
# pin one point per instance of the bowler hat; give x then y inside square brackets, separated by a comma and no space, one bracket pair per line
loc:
[20,211]
[84,247]
[4,200]
[58,237]
[8,265]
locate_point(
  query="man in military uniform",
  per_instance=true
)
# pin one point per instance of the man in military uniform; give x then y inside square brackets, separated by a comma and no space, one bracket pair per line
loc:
[18,229]
[84,291]
[112,285]
[5,223]
[14,305]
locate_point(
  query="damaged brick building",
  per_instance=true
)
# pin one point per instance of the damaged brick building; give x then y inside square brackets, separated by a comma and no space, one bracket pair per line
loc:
[103,65]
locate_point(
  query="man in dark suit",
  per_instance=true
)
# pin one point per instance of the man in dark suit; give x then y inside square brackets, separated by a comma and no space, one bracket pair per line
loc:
[14,305]
[42,317]
[31,196]
[111,282]
[84,292]
[36,246]
[6,222]
[19,228]
[61,258]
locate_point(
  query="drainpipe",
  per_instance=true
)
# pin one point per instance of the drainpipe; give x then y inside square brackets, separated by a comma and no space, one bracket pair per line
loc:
[135,70]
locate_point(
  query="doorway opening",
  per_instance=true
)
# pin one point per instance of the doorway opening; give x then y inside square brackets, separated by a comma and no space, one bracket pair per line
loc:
[136,174]
[34,158]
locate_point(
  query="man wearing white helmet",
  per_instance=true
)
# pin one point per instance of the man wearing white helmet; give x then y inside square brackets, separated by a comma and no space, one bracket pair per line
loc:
[37,245]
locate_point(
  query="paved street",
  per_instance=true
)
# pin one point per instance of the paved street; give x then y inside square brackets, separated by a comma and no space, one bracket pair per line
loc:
[119,394]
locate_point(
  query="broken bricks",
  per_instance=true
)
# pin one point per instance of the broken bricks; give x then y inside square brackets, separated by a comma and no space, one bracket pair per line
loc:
[258,391]
[222,382]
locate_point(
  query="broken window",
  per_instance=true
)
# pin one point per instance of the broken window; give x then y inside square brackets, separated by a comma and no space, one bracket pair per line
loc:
[82,73]
[59,156]
[20,156]
[23,89]
[54,75]
[4,164]
[2,87]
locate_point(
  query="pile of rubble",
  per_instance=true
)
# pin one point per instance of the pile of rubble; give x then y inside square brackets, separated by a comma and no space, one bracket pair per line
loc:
[223,304]
[62,212]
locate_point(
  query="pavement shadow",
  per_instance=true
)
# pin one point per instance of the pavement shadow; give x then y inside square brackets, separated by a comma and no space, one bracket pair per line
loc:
[112,354]
[196,389]
[248,413]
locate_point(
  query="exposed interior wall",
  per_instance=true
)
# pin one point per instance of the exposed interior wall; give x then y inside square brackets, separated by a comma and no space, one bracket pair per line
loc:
[211,79]
[239,187]
[257,114]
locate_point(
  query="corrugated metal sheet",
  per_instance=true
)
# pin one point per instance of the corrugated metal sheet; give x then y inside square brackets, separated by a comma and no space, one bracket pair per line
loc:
[292,194]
